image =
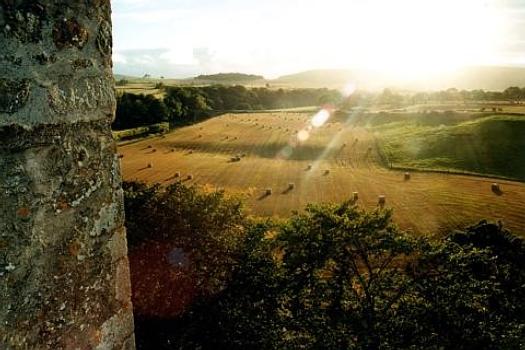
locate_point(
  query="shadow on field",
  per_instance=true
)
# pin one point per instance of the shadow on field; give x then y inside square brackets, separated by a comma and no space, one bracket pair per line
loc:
[263,196]
[172,178]
[497,191]
[269,150]
[288,190]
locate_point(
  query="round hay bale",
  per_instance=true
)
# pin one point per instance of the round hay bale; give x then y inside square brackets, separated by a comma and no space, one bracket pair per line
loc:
[381,200]
[190,177]
[268,192]
[150,146]
[150,165]
[309,167]
[496,187]
[407,176]
[120,156]
[177,174]
[326,172]
[355,196]
[291,186]
[172,150]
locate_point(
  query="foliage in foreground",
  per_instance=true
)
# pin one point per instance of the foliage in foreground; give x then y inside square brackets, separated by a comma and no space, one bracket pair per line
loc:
[333,277]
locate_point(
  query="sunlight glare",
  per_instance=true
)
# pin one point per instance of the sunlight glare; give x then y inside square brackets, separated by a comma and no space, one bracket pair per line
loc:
[320,118]
[349,89]
[303,135]
[407,38]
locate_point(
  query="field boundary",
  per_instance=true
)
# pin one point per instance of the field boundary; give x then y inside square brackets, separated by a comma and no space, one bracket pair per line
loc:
[455,172]
[262,111]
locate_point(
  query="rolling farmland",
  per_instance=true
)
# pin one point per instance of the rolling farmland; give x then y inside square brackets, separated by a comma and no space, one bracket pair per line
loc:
[251,153]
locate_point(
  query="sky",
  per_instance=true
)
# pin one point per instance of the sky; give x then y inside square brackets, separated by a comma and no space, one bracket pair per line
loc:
[183,38]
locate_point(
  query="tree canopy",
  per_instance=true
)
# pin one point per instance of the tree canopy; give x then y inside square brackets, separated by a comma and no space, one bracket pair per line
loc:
[330,277]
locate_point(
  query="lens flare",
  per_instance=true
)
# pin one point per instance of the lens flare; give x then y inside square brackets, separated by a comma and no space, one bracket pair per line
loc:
[320,118]
[349,89]
[286,152]
[303,135]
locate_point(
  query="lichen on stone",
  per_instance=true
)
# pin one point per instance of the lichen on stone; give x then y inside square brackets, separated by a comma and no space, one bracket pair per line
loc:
[13,95]
[69,33]
[23,21]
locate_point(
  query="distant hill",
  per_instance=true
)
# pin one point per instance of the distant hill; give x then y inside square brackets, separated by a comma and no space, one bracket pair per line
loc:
[124,77]
[472,78]
[488,78]
[230,77]
[318,78]
[483,77]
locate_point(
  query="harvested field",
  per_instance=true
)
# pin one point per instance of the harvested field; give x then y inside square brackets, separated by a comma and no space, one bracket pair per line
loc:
[326,164]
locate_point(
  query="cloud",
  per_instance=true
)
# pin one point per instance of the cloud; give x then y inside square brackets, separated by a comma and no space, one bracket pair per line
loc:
[155,62]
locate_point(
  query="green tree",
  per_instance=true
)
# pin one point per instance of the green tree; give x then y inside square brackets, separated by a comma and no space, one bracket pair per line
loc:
[207,227]
[345,280]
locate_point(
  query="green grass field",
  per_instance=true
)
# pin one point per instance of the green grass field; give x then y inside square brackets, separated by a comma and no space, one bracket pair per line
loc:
[491,145]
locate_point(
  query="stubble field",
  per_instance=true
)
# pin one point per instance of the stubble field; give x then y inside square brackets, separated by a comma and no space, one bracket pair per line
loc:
[301,164]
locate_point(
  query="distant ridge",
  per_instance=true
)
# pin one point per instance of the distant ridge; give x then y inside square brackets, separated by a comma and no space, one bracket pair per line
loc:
[230,77]
[470,78]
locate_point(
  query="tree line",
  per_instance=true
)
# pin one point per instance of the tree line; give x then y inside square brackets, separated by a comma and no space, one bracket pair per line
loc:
[391,97]
[331,277]
[185,105]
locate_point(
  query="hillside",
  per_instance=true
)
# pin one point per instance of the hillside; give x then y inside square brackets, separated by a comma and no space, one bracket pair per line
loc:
[486,78]
[472,78]
[489,145]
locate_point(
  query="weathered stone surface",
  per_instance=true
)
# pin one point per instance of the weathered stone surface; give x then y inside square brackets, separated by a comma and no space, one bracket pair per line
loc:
[64,275]
[89,94]
[23,19]
[69,33]
[104,39]
[13,95]
[62,51]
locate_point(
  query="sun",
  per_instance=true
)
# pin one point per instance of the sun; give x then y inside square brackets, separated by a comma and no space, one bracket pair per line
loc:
[413,37]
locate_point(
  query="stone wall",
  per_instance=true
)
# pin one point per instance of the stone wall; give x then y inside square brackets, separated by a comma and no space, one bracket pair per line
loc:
[64,275]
